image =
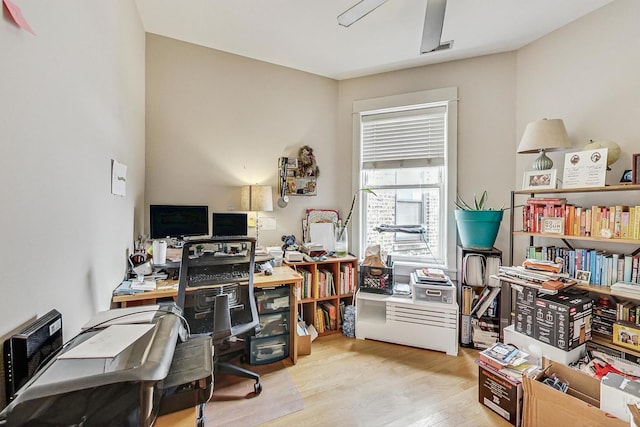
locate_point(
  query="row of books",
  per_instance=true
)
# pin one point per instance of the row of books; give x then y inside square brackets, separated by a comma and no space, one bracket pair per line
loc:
[603,268]
[326,317]
[617,222]
[324,284]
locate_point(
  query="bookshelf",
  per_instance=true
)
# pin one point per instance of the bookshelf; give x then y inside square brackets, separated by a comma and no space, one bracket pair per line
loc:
[475,292]
[629,244]
[327,286]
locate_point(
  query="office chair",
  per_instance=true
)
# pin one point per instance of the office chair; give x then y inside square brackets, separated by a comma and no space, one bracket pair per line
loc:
[215,292]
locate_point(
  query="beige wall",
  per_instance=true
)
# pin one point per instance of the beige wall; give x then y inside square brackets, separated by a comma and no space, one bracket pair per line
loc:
[71,99]
[217,121]
[586,73]
[486,114]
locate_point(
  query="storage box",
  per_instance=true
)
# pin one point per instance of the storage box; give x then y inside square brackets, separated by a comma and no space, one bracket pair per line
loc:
[563,320]
[376,279]
[626,335]
[499,394]
[273,324]
[579,406]
[270,300]
[304,345]
[525,310]
[267,350]
[538,349]
[616,392]
[444,294]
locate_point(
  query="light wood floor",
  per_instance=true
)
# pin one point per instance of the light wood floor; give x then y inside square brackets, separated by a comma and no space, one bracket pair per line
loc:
[351,382]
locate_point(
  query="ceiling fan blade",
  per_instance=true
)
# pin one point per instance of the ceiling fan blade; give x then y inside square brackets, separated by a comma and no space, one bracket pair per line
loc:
[358,11]
[433,22]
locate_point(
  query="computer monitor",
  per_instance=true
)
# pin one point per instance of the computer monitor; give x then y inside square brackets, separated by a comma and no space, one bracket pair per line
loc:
[229,224]
[178,221]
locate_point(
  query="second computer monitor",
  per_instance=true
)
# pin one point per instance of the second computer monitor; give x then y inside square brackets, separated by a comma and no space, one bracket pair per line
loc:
[226,224]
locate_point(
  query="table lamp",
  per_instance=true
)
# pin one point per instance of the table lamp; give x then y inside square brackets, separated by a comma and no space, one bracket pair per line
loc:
[544,135]
[256,198]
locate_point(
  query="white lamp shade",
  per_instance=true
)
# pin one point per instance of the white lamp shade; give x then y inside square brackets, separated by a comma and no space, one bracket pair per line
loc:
[545,134]
[256,198]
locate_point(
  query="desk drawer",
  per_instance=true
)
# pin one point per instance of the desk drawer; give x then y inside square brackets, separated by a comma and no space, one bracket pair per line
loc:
[273,324]
[267,350]
[272,300]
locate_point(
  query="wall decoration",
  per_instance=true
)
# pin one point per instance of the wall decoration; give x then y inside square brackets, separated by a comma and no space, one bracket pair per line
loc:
[635,175]
[627,177]
[298,176]
[17,16]
[118,178]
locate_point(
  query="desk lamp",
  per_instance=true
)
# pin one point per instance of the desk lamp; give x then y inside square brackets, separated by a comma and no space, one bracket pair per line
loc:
[256,198]
[544,135]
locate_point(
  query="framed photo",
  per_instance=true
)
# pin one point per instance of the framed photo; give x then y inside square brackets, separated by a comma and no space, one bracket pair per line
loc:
[539,180]
[635,175]
[583,276]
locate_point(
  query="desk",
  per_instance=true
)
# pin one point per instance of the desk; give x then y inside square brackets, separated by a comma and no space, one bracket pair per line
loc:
[284,275]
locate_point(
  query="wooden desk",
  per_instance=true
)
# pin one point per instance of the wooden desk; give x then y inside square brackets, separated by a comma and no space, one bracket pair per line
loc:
[284,275]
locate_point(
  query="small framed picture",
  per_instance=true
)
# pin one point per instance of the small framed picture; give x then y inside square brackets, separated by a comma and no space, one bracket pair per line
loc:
[635,174]
[627,177]
[583,276]
[539,180]
[552,225]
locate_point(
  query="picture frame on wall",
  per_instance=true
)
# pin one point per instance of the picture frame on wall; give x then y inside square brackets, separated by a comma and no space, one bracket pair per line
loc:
[635,174]
[540,180]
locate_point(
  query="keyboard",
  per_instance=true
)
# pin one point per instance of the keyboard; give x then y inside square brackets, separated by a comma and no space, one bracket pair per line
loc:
[202,279]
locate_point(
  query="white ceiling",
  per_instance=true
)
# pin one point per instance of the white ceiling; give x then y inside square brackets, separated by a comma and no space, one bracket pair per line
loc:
[305,35]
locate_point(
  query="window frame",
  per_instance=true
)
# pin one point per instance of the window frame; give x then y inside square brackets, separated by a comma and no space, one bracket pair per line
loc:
[444,96]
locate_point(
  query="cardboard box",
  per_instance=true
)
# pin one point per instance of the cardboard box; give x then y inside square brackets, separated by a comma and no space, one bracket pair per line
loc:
[579,406]
[563,320]
[525,310]
[626,335]
[499,394]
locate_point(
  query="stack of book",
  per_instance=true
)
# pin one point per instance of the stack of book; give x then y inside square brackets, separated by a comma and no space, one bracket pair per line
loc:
[508,361]
[430,276]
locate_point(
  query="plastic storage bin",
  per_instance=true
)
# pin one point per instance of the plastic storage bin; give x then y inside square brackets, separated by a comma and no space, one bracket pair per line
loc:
[272,300]
[267,350]
[376,279]
[273,324]
[445,294]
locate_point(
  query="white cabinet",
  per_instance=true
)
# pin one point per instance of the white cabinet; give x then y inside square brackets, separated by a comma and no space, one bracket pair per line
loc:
[397,320]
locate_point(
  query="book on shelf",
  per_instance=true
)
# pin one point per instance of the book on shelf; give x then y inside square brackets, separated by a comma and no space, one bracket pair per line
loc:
[485,300]
[330,315]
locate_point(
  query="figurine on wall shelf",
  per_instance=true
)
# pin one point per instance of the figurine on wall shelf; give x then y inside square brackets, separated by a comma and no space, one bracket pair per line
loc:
[307,162]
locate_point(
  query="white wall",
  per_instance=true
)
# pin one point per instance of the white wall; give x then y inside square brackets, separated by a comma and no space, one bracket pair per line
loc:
[585,73]
[71,99]
[217,121]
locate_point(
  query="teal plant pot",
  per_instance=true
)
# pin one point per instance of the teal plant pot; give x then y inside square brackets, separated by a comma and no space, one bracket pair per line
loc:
[478,229]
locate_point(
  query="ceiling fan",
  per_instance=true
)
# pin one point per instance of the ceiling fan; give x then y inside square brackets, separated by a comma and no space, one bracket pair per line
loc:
[433,21]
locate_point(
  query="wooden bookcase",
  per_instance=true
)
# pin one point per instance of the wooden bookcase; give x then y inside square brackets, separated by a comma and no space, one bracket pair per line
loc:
[589,241]
[345,284]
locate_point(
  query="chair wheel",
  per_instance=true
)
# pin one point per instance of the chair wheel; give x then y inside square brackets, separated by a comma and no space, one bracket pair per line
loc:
[257,388]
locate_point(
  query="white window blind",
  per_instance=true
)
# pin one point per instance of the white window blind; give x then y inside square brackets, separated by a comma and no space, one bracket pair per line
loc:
[404,138]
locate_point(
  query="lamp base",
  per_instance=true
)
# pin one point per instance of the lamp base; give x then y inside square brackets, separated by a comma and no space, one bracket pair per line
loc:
[542,162]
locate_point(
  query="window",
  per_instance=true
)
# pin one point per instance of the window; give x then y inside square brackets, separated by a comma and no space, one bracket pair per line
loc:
[406,156]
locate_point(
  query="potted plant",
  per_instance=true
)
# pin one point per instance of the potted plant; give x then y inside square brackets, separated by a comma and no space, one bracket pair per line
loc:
[477,224]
